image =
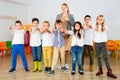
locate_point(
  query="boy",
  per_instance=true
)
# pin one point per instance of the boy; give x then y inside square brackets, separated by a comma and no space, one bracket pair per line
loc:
[59,43]
[18,46]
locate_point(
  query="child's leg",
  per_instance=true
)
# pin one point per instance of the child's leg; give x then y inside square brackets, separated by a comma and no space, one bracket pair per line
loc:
[98,53]
[104,52]
[79,57]
[22,54]
[74,57]
[62,56]
[45,56]
[39,57]
[49,56]
[14,56]
[34,53]
[55,57]
[83,55]
[89,48]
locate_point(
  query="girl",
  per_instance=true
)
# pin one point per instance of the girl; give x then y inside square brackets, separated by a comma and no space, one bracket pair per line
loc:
[88,40]
[100,39]
[35,43]
[77,47]
[47,45]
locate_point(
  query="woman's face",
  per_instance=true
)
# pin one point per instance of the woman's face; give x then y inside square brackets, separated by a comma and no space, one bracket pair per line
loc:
[64,9]
[77,27]
[100,20]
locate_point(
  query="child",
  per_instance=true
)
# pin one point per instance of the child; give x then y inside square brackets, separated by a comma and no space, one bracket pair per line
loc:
[47,45]
[18,46]
[100,39]
[35,43]
[88,41]
[59,43]
[77,47]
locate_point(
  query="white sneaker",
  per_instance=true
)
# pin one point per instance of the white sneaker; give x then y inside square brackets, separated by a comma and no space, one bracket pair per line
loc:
[66,66]
[59,67]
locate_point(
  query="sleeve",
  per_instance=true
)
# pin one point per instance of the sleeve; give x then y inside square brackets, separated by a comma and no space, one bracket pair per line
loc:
[70,32]
[71,20]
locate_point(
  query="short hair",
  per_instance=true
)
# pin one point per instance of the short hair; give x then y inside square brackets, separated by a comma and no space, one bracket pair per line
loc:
[47,22]
[58,21]
[87,16]
[18,21]
[35,19]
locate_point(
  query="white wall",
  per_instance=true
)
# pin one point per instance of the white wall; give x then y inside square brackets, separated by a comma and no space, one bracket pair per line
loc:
[14,10]
[48,9]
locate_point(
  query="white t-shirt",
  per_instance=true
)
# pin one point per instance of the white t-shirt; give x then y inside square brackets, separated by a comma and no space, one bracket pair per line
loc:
[47,39]
[76,40]
[100,36]
[18,37]
[88,36]
[35,38]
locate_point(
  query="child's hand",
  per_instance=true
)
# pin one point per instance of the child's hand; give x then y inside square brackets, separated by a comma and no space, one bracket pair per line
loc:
[24,27]
[53,29]
[10,27]
[37,29]
[62,30]
[80,31]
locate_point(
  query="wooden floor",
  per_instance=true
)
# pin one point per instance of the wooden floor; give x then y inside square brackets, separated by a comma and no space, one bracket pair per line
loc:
[20,74]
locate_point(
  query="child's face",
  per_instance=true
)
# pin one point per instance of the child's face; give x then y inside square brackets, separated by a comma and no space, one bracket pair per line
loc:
[87,20]
[18,26]
[100,20]
[77,27]
[46,25]
[35,23]
[58,25]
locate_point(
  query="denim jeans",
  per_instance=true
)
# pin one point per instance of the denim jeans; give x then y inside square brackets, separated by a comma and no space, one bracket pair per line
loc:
[101,49]
[76,57]
[37,53]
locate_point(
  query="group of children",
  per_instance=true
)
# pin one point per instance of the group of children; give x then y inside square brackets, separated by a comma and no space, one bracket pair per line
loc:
[51,43]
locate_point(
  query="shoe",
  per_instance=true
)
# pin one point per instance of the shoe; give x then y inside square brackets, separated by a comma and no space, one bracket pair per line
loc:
[64,69]
[40,66]
[110,74]
[49,69]
[46,69]
[100,72]
[12,70]
[81,72]
[26,69]
[91,68]
[52,72]
[35,69]
[73,72]
[59,67]
[66,66]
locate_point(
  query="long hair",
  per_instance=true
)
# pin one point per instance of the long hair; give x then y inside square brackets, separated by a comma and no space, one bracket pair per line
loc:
[66,5]
[103,24]
[75,31]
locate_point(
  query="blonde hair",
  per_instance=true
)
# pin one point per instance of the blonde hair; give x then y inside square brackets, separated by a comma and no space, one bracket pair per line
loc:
[66,5]
[103,24]
[47,22]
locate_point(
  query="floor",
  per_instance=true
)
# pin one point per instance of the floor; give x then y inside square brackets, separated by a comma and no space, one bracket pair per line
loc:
[20,74]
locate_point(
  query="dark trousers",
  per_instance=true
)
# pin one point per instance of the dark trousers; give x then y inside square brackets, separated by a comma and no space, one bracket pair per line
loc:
[89,49]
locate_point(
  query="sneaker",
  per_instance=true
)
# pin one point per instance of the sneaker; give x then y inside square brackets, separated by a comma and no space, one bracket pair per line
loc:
[26,69]
[81,72]
[12,70]
[52,72]
[46,69]
[67,67]
[59,67]
[64,69]
[73,72]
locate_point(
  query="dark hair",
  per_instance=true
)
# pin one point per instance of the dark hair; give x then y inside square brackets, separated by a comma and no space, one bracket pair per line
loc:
[18,21]
[35,19]
[87,16]
[57,22]
[78,35]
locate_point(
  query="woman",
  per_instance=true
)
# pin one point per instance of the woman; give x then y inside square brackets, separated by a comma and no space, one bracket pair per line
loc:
[68,21]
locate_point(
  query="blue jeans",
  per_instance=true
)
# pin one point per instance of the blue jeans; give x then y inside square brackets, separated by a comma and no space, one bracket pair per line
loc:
[18,49]
[37,53]
[77,56]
